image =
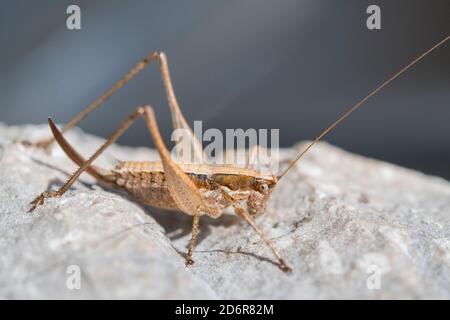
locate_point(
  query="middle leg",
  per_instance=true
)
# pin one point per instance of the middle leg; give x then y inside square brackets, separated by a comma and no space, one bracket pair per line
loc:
[192,243]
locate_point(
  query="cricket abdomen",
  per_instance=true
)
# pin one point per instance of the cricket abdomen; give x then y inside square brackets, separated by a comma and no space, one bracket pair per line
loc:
[150,187]
[147,187]
[146,182]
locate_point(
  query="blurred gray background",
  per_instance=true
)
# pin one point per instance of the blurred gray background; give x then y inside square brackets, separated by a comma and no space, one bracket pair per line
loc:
[290,64]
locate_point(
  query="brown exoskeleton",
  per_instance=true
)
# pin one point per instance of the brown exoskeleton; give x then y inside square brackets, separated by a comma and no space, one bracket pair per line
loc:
[194,189]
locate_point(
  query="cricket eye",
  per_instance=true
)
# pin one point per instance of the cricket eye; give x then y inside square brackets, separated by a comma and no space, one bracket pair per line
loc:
[263,188]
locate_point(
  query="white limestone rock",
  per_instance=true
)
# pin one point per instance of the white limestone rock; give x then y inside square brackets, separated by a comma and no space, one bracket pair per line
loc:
[350,227]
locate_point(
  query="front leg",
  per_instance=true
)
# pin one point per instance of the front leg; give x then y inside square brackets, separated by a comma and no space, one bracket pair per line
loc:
[246,216]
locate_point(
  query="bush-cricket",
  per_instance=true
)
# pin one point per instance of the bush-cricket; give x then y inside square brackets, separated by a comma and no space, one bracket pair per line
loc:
[194,189]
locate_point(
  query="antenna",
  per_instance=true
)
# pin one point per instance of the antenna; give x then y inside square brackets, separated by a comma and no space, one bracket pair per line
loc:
[361,102]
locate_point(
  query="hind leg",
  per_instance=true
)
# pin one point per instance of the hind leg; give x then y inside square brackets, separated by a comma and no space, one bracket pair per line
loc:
[86,165]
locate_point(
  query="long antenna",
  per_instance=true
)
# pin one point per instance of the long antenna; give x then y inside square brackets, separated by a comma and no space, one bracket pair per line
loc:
[356,106]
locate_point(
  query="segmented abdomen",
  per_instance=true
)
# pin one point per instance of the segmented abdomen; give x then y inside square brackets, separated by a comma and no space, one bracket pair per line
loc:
[148,187]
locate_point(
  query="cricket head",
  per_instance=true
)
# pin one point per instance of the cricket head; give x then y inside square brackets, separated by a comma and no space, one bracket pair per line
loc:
[262,188]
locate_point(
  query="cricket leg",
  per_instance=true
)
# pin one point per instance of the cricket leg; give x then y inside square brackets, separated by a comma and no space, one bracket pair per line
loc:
[178,120]
[182,189]
[116,134]
[96,172]
[244,215]
[45,143]
[195,224]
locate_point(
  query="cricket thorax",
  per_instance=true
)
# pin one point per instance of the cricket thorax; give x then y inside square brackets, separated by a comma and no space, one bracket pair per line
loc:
[146,182]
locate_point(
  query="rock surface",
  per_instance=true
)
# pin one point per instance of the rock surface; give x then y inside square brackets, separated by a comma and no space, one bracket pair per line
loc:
[350,227]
